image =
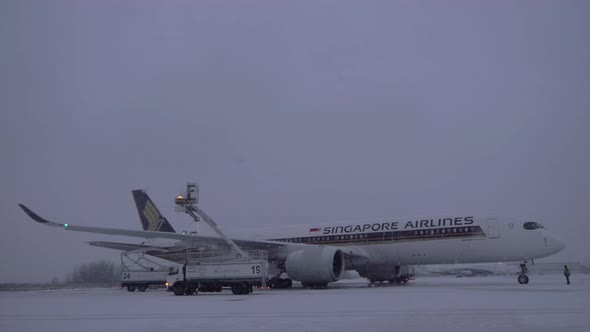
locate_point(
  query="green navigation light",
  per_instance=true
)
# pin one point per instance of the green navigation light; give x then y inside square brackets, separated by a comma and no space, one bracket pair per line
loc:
[66,225]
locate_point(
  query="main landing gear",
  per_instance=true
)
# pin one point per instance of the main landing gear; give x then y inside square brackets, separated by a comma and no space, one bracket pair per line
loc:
[393,281]
[315,285]
[523,279]
[278,282]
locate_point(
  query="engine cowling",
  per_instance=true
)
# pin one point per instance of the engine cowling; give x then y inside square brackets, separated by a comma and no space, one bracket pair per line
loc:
[315,264]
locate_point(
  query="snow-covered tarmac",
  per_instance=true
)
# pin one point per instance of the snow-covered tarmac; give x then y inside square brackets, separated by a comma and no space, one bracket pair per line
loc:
[433,303]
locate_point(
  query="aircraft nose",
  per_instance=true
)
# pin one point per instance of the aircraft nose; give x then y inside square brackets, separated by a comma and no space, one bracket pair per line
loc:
[557,244]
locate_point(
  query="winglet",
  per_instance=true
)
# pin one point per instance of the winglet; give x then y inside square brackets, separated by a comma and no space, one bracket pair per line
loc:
[38,219]
[32,214]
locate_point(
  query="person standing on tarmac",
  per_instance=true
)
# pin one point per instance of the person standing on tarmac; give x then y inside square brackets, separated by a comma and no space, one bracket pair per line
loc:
[566,273]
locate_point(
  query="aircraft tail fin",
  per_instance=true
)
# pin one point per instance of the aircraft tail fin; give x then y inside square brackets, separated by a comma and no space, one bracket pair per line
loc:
[149,215]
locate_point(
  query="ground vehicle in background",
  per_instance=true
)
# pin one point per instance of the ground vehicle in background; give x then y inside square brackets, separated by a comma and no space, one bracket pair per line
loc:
[140,271]
[211,272]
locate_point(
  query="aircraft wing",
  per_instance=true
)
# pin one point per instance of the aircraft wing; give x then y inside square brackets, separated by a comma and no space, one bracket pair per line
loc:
[188,240]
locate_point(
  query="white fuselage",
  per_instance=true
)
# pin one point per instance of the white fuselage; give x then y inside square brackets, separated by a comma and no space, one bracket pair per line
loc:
[430,240]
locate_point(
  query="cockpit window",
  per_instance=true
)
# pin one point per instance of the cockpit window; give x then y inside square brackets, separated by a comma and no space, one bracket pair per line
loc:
[532,225]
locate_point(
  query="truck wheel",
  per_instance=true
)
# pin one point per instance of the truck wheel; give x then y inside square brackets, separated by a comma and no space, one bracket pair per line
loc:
[142,288]
[179,289]
[239,289]
[190,290]
[131,288]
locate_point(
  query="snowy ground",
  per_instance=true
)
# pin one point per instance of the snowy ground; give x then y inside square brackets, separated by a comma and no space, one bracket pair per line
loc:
[434,303]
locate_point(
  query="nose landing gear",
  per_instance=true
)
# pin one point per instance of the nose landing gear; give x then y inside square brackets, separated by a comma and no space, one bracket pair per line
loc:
[523,279]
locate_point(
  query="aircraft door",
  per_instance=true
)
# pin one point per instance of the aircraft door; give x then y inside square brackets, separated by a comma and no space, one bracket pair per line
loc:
[492,228]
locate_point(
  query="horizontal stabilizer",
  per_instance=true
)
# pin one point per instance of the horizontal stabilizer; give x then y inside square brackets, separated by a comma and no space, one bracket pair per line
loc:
[125,246]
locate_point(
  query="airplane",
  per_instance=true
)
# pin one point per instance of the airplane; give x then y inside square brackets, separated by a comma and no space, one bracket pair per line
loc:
[378,250]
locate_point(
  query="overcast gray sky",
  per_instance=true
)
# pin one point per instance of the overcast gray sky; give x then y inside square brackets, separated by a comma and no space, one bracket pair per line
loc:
[286,113]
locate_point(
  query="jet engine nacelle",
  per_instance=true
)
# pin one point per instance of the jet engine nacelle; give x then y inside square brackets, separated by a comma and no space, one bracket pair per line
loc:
[315,264]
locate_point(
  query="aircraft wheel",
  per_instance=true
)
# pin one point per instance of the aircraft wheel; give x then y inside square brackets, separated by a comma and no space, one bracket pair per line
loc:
[523,279]
[395,281]
[315,285]
[374,281]
[131,288]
